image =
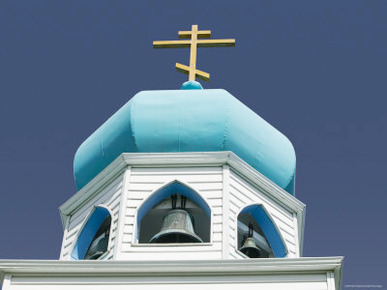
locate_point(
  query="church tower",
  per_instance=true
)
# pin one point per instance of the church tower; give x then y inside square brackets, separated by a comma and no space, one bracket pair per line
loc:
[182,188]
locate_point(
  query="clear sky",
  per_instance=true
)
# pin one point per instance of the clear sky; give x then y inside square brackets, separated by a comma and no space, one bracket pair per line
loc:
[316,70]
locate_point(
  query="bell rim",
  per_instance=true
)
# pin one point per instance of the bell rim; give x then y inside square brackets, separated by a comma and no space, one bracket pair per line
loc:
[247,246]
[169,231]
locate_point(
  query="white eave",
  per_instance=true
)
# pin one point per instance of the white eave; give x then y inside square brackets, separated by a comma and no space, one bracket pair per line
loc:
[51,268]
[185,159]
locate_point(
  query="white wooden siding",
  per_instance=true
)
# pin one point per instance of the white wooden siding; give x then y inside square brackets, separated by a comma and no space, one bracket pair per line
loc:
[217,185]
[243,194]
[207,181]
[264,281]
[108,197]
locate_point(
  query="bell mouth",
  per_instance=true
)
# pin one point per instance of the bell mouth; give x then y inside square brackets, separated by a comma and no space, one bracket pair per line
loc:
[173,236]
[95,256]
[250,249]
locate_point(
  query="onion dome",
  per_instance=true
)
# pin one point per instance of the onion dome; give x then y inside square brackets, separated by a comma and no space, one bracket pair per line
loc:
[188,120]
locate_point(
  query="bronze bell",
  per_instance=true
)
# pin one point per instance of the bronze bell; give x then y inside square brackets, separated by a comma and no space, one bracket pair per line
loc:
[249,247]
[177,226]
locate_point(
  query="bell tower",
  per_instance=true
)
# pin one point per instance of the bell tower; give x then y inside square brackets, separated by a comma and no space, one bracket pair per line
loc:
[182,188]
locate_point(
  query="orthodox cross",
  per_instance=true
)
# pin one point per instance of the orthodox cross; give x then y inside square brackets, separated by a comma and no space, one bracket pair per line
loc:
[193,43]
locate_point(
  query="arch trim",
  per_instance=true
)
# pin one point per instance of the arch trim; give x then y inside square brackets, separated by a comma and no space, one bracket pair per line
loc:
[268,227]
[163,192]
[89,228]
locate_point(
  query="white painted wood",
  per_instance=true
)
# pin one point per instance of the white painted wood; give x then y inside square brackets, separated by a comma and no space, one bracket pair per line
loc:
[237,255]
[243,193]
[108,197]
[175,160]
[285,285]
[331,281]
[206,181]
[104,178]
[6,282]
[270,279]
[296,236]
[248,191]
[65,243]
[300,273]
[252,266]
[217,237]
[217,228]
[223,180]
[218,210]
[122,211]
[198,186]
[197,177]
[172,256]
[307,282]
[103,197]
[165,170]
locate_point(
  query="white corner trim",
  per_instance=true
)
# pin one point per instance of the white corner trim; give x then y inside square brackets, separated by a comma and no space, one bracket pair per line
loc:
[225,210]
[66,229]
[301,229]
[121,214]
[331,285]
[296,235]
[6,281]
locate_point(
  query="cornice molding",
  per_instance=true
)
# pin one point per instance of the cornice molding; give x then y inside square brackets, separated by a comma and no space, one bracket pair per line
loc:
[151,268]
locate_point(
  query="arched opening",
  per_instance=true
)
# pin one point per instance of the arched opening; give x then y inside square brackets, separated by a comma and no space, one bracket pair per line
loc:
[255,222]
[93,240]
[157,211]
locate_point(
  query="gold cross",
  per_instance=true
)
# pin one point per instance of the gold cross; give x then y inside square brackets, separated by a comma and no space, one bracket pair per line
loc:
[193,43]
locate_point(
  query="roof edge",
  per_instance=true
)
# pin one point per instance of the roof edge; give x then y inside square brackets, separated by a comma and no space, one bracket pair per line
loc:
[208,267]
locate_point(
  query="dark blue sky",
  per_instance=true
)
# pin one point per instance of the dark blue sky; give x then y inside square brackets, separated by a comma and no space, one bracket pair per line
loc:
[316,70]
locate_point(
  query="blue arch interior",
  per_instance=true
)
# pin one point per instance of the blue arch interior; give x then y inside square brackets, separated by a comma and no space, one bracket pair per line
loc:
[266,224]
[88,232]
[174,187]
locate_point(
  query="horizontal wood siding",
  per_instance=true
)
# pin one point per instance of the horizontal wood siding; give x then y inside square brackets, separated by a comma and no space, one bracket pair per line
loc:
[108,197]
[269,281]
[243,194]
[207,181]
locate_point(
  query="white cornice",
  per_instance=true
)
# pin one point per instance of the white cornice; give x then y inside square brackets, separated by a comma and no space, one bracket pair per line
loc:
[92,188]
[185,159]
[150,268]
[273,266]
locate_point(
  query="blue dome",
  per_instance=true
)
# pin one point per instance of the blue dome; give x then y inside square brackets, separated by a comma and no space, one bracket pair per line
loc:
[188,120]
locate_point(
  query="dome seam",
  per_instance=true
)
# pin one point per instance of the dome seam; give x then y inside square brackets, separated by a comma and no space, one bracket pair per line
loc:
[132,130]
[226,128]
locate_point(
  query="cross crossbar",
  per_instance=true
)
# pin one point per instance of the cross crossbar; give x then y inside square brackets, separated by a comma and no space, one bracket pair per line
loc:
[200,74]
[193,43]
[201,34]
[187,43]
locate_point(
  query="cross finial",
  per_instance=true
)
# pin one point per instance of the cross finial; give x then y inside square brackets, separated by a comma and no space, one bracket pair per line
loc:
[193,43]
